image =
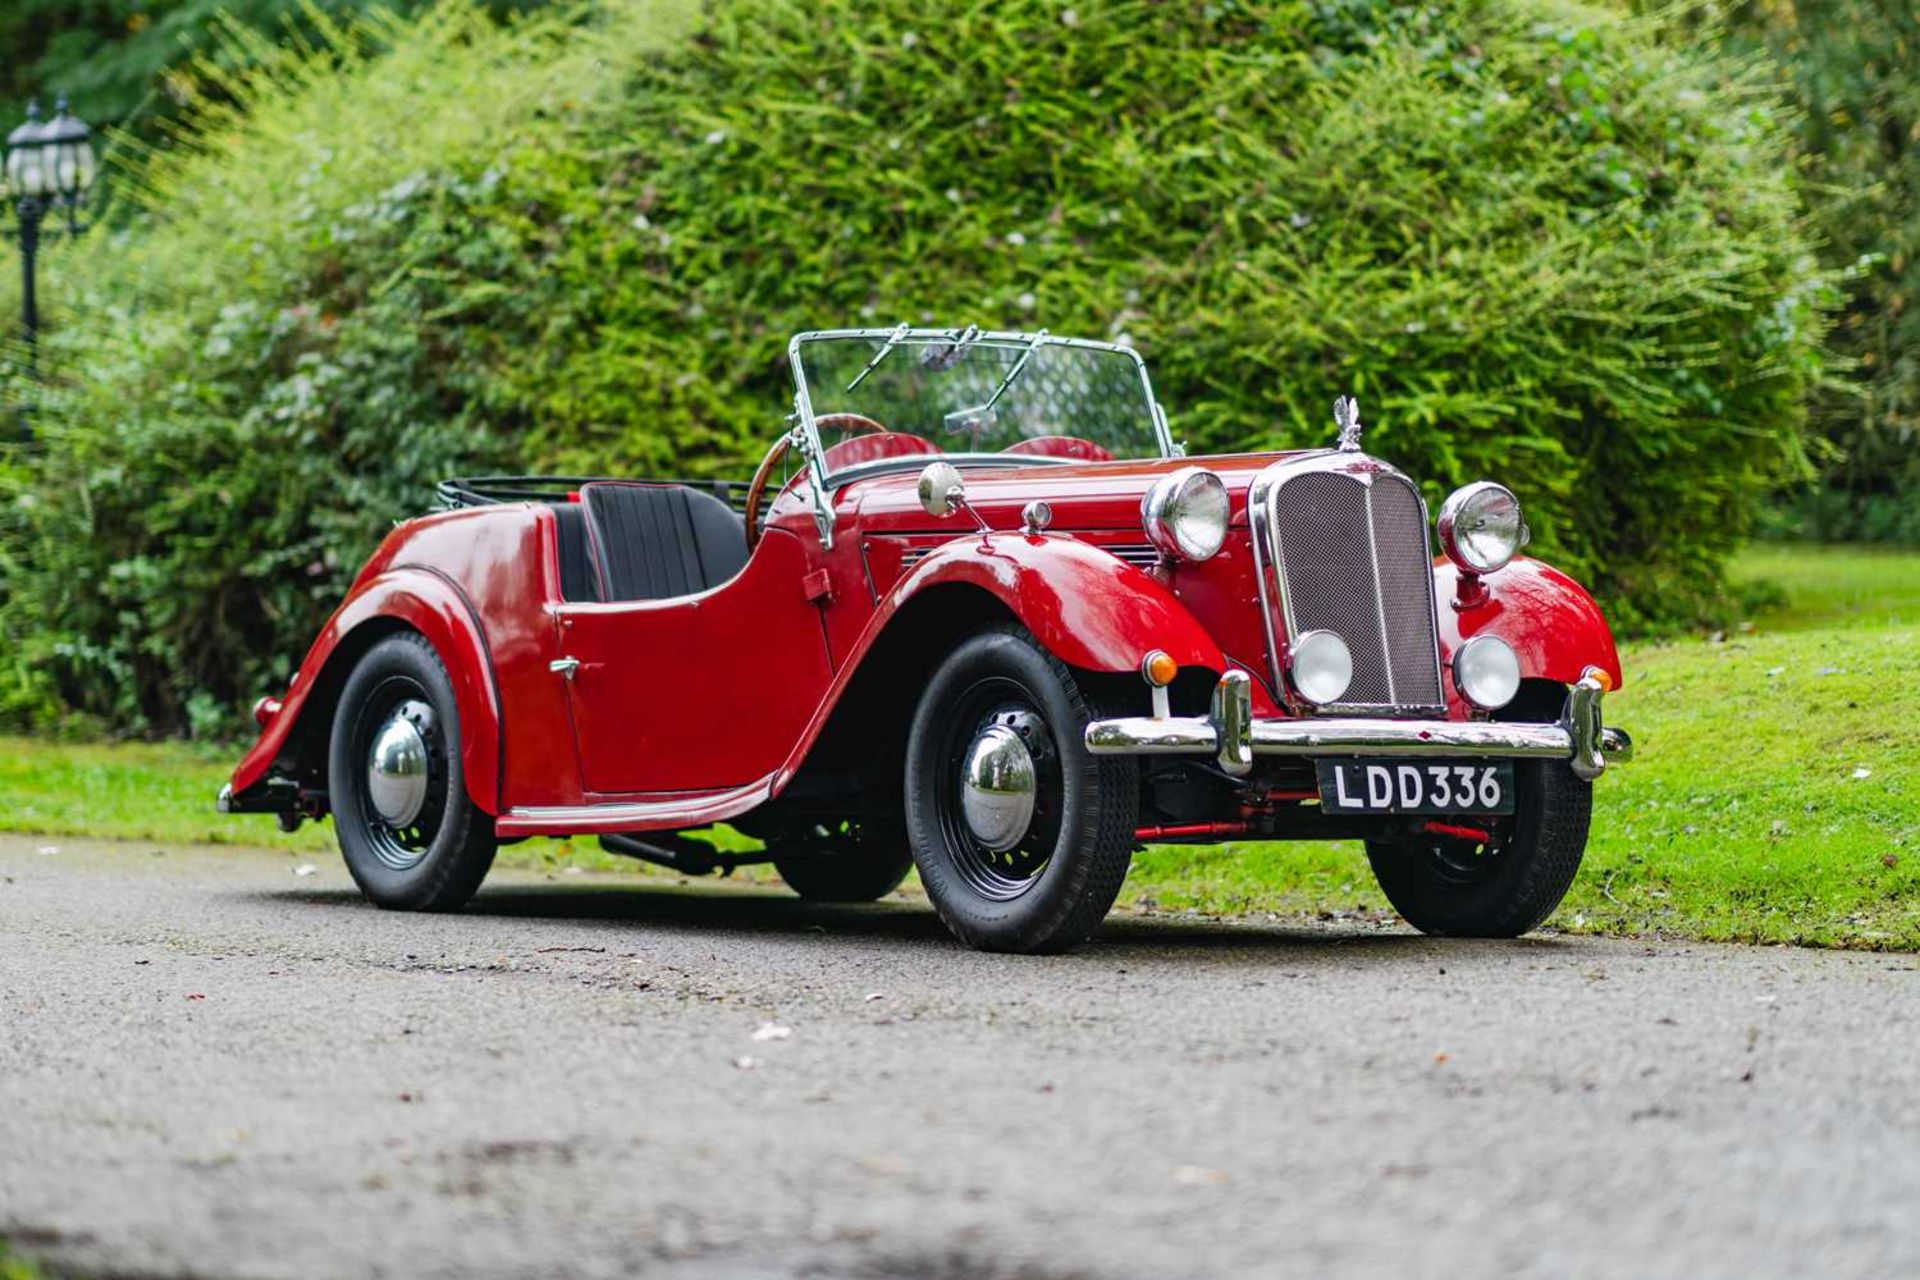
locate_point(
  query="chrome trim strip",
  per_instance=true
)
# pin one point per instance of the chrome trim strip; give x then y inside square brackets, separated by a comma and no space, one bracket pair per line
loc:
[1380,596]
[662,813]
[1433,599]
[1140,555]
[1257,496]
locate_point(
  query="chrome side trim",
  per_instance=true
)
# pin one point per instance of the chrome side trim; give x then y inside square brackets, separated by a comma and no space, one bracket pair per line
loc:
[659,813]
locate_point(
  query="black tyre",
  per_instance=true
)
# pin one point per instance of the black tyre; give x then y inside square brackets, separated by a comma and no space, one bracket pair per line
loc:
[846,862]
[1013,863]
[411,838]
[1505,885]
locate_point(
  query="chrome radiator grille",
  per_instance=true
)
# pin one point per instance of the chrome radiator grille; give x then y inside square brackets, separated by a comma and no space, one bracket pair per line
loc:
[1350,556]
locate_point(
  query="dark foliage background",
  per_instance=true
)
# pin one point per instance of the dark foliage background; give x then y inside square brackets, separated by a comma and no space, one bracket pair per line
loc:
[131,63]
[1852,71]
[1541,241]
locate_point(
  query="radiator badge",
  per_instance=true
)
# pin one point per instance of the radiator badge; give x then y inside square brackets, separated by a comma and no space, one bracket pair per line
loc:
[1346,416]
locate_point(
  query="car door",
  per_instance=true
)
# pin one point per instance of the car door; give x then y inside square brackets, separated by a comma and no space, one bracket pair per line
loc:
[701,692]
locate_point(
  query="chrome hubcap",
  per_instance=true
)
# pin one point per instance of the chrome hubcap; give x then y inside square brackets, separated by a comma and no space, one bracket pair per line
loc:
[997,788]
[397,766]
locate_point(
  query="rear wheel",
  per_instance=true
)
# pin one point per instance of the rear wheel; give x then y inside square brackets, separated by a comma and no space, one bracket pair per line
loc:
[412,839]
[1022,838]
[845,861]
[1503,885]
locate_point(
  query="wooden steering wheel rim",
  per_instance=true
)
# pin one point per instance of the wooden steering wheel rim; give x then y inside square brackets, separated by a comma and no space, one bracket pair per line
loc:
[852,423]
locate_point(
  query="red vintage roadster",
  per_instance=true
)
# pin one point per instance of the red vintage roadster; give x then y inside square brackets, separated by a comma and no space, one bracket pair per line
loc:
[975,612]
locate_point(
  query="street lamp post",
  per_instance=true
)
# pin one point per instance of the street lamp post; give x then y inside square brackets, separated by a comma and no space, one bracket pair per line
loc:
[49,168]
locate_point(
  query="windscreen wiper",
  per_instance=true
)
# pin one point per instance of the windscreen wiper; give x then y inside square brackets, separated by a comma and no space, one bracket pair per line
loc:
[1019,367]
[980,417]
[899,335]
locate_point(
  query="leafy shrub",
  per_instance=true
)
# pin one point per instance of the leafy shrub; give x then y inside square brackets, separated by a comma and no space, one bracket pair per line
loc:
[1538,244]
[132,62]
[1854,75]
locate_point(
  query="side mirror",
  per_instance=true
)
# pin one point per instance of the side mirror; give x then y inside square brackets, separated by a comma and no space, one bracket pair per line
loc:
[941,490]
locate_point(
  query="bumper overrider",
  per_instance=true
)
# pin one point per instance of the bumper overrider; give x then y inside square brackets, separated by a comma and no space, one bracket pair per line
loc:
[1231,734]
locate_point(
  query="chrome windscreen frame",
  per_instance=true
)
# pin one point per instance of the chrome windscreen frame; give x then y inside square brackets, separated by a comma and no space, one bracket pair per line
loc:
[807,434]
[1261,497]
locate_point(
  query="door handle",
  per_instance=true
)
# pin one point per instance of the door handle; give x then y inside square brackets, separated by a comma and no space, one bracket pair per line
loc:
[564,667]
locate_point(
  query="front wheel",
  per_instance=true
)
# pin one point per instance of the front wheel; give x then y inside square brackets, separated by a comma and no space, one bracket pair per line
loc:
[1503,885]
[1022,838]
[412,839]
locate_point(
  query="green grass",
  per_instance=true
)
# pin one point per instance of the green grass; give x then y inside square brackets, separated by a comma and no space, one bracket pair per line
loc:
[1744,817]
[164,791]
[14,1267]
[130,791]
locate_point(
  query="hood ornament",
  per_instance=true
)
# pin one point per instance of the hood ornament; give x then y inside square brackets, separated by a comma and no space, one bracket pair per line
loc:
[1346,416]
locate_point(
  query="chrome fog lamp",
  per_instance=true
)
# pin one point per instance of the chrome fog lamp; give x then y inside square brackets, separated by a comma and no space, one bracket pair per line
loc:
[1321,666]
[1481,528]
[1487,672]
[1185,514]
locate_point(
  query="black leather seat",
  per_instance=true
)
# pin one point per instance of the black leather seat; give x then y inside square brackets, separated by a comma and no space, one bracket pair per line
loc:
[658,541]
[579,578]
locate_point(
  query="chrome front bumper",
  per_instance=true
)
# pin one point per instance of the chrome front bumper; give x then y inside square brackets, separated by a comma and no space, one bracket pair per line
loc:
[1234,737]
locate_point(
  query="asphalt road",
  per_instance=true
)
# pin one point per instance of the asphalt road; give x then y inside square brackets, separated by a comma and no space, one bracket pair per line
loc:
[212,1066]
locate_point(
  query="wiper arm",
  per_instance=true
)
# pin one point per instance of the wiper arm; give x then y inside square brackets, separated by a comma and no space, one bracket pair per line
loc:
[1019,367]
[899,335]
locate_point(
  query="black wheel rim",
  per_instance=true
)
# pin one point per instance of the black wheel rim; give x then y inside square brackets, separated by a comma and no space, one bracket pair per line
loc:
[400,847]
[995,874]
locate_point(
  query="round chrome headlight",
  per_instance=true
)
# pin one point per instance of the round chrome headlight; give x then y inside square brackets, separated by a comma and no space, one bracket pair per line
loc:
[1487,672]
[1321,666]
[1481,528]
[1185,514]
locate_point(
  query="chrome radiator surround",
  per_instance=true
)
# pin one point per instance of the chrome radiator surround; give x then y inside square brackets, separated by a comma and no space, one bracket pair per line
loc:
[1278,598]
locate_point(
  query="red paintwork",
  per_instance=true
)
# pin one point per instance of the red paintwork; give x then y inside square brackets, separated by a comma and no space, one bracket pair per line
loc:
[661,682]
[691,711]
[476,584]
[1188,830]
[1548,618]
[1457,831]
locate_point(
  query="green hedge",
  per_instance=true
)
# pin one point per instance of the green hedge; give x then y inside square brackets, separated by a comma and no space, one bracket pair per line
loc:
[1539,242]
[1853,75]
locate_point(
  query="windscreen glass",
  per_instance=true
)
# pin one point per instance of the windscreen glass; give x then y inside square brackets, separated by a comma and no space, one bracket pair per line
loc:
[982,396]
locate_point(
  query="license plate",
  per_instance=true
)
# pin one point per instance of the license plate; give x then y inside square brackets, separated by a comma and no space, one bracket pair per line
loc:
[1407,786]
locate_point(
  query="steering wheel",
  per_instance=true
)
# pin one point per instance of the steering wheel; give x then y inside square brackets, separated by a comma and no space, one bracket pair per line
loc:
[852,423]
